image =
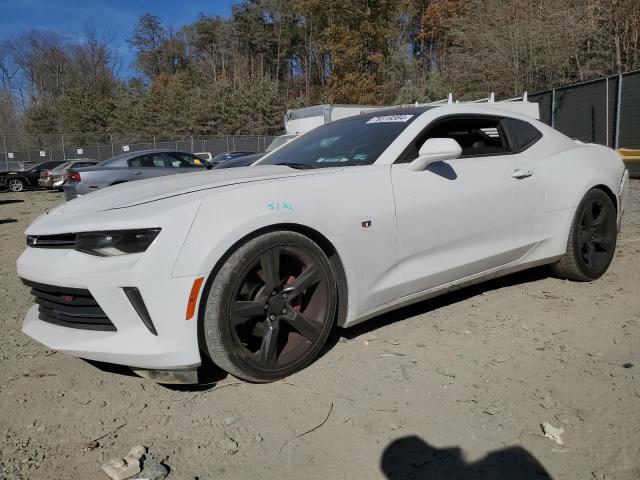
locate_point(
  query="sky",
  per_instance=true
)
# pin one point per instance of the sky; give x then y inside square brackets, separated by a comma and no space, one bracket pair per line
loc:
[113,19]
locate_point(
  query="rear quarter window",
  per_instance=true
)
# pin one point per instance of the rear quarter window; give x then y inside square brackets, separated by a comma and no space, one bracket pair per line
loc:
[523,133]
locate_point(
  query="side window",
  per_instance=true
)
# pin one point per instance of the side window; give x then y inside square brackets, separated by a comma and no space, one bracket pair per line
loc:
[152,160]
[182,160]
[524,134]
[478,136]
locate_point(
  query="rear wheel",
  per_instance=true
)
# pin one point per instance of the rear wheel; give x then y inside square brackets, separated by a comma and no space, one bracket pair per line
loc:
[592,239]
[270,307]
[15,185]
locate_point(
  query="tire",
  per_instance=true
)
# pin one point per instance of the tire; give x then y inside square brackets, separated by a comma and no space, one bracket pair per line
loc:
[270,307]
[15,185]
[592,239]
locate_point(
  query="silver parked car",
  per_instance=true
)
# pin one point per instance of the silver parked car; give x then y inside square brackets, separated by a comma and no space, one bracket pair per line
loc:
[128,167]
[56,177]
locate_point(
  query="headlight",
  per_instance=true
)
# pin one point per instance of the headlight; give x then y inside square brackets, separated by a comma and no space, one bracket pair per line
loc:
[118,242]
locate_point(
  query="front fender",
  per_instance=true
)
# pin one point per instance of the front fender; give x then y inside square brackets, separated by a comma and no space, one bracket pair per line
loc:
[336,207]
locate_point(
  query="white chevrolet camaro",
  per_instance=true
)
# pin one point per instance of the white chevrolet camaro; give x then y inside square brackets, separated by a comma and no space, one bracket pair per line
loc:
[252,267]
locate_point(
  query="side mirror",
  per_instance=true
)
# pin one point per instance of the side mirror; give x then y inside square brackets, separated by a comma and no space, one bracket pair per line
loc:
[436,150]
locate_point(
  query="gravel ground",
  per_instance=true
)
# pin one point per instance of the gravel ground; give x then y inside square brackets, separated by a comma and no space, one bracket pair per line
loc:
[455,387]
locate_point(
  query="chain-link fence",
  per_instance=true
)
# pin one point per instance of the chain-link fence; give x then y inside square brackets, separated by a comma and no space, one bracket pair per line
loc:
[604,111]
[23,150]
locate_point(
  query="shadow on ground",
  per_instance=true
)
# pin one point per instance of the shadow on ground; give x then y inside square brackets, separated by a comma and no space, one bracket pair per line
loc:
[10,201]
[412,458]
[435,303]
[8,220]
[210,374]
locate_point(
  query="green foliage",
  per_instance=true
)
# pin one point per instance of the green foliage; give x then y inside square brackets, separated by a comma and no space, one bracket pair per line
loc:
[431,91]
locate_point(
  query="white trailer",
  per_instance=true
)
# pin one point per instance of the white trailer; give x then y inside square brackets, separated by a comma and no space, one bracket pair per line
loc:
[301,120]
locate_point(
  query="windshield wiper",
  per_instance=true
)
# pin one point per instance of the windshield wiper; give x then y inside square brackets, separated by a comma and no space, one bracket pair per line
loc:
[299,166]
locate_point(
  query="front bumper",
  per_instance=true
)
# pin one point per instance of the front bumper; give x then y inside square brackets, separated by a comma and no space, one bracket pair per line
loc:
[174,347]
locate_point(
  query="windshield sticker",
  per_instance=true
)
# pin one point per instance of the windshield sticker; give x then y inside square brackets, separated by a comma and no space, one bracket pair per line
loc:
[391,119]
[361,156]
[277,206]
[332,160]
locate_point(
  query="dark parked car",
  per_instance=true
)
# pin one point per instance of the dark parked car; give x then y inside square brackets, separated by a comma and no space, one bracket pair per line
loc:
[16,180]
[243,161]
[246,160]
[128,167]
[226,156]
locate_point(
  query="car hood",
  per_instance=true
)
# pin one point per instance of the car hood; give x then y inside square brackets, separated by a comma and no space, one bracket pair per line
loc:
[145,191]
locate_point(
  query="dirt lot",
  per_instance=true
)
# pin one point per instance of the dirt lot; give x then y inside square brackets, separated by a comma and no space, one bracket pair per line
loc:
[456,387]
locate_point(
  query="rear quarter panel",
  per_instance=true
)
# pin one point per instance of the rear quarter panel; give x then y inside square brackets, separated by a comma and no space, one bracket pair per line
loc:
[569,170]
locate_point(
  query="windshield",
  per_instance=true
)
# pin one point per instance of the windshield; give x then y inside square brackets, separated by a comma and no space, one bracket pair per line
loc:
[62,167]
[37,167]
[354,141]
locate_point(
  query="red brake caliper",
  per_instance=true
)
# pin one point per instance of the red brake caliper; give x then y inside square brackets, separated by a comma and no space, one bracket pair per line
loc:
[297,305]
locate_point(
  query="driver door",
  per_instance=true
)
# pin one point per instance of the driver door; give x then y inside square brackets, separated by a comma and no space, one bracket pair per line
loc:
[465,216]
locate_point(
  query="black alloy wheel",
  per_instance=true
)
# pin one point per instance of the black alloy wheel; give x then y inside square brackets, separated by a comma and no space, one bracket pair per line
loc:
[596,234]
[271,307]
[592,239]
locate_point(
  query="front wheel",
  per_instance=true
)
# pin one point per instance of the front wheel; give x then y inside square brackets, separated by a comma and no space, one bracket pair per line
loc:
[16,185]
[270,307]
[592,239]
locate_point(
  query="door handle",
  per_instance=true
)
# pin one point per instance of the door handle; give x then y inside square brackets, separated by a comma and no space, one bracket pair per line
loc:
[137,173]
[520,173]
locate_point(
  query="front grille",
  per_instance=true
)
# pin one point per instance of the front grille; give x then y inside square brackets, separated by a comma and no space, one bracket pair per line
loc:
[69,307]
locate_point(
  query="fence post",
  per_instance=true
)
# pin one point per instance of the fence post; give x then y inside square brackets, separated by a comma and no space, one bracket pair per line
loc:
[6,154]
[553,108]
[112,153]
[619,104]
[154,142]
[191,143]
[606,109]
[64,154]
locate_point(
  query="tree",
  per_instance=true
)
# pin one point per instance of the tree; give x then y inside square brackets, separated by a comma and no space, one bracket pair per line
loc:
[158,50]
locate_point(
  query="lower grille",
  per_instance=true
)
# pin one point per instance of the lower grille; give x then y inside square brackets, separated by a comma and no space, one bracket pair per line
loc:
[69,307]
